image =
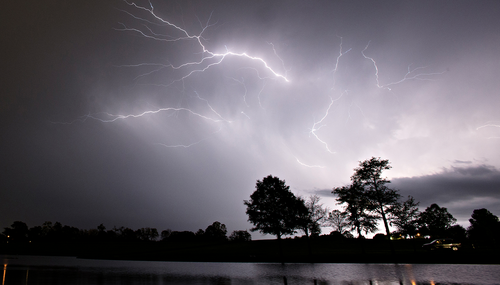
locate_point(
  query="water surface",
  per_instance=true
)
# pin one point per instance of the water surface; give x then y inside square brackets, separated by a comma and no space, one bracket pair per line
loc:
[70,270]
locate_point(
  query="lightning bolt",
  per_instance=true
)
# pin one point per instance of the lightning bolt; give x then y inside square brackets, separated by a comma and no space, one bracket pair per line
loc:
[337,60]
[315,126]
[411,74]
[242,83]
[203,58]
[200,65]
[309,166]
[208,59]
[105,117]
[210,107]
[490,125]
[281,60]
[258,96]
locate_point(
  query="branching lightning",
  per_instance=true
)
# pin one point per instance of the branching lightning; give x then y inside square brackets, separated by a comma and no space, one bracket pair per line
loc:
[317,125]
[208,59]
[412,74]
[207,55]
[203,59]
[242,83]
[105,117]
[341,53]
[211,108]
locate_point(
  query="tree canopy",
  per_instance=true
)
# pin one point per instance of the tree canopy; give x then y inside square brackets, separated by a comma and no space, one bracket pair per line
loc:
[315,216]
[404,216]
[274,209]
[484,226]
[435,220]
[338,220]
[358,208]
[241,235]
[368,197]
[18,231]
[215,232]
[369,176]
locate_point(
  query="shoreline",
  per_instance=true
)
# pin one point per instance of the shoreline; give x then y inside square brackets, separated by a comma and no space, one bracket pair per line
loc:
[261,251]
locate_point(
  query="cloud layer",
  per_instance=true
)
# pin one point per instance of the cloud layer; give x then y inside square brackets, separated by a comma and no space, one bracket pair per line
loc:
[461,189]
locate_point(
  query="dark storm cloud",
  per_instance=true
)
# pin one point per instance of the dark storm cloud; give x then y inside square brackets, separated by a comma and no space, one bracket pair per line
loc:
[452,184]
[460,189]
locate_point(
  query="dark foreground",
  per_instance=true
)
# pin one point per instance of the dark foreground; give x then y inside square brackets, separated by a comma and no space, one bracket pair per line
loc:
[292,251]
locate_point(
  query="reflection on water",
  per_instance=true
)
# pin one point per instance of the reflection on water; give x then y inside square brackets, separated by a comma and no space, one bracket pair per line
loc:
[69,270]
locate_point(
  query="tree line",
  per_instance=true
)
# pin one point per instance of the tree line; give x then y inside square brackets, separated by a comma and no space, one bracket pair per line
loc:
[56,232]
[274,209]
[367,200]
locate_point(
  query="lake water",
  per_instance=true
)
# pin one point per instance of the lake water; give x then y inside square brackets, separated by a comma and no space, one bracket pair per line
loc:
[69,270]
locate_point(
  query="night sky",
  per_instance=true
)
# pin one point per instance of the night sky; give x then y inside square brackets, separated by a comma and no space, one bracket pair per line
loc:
[110,114]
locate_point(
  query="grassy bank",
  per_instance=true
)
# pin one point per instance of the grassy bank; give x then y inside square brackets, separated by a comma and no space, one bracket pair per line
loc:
[296,250]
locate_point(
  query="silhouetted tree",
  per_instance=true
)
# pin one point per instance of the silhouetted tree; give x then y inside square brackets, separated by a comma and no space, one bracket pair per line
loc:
[46,230]
[101,232]
[358,208]
[200,234]
[339,221]
[113,234]
[153,234]
[69,233]
[216,232]
[404,216]
[101,228]
[456,232]
[147,234]
[484,226]
[434,221]
[336,235]
[369,176]
[314,217]
[182,236]
[128,234]
[273,209]
[56,232]
[35,234]
[240,236]
[379,236]
[165,234]
[122,234]
[18,232]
